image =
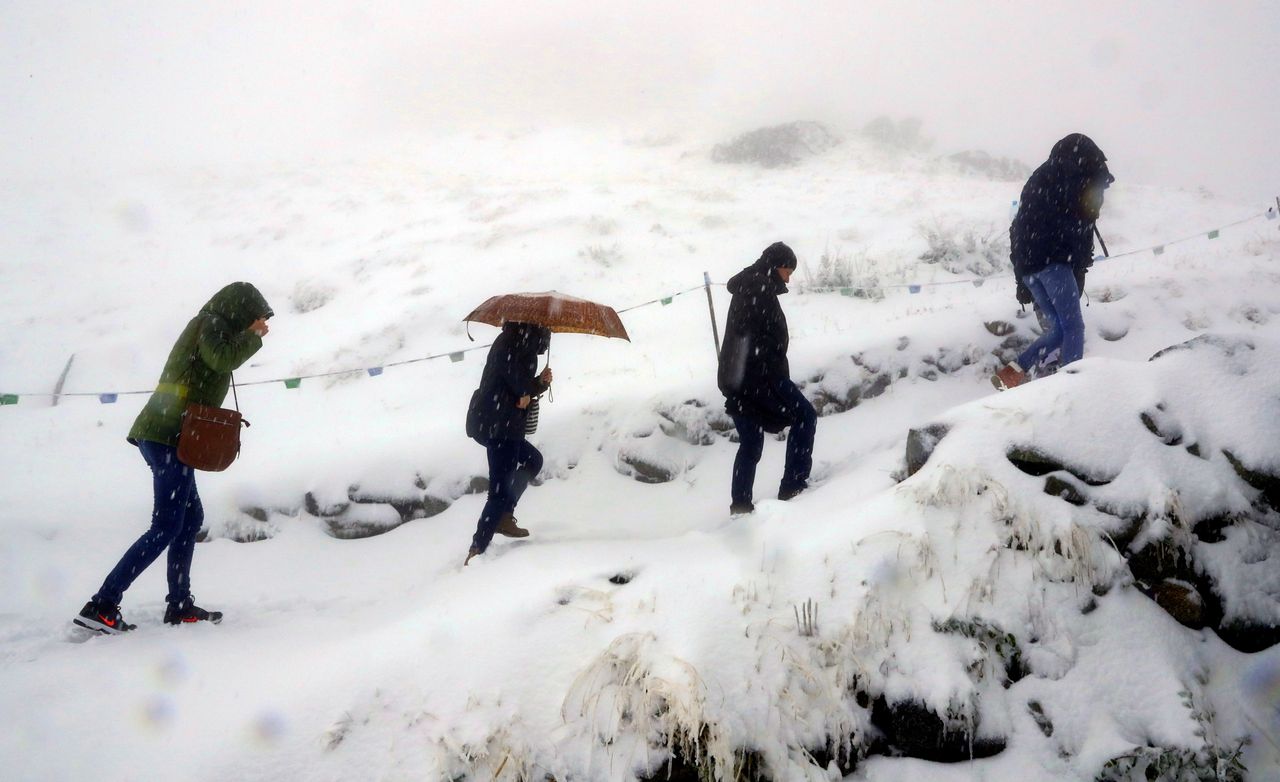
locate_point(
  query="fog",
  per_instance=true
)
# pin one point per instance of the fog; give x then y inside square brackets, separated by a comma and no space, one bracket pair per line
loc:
[1176,93]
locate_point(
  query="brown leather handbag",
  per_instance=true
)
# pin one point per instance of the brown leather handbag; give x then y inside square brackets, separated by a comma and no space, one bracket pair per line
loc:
[210,438]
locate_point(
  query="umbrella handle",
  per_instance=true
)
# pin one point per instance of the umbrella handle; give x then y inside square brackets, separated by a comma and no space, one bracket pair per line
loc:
[551,396]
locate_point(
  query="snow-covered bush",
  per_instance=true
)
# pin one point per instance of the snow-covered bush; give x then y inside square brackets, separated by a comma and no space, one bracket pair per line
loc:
[981,251]
[837,269]
[980,163]
[605,255]
[778,146]
[902,135]
[311,295]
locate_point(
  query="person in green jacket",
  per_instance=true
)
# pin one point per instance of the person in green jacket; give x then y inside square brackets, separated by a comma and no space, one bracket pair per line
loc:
[219,339]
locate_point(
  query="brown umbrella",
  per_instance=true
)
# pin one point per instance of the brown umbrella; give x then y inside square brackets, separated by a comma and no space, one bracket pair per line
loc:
[555,311]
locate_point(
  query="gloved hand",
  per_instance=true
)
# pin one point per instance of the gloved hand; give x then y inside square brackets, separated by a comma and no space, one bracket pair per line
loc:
[1024,295]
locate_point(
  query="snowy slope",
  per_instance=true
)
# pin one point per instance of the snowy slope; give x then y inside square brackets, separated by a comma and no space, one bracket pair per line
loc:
[638,616]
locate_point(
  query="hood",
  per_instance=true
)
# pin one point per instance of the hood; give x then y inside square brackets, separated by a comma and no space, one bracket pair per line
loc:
[529,335]
[776,255]
[1077,154]
[759,276]
[239,304]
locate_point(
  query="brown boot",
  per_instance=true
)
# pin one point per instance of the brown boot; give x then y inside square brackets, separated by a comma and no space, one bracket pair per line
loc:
[1008,376]
[474,552]
[507,526]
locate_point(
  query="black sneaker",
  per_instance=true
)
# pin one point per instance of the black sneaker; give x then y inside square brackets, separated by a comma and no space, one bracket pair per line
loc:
[102,618]
[187,612]
[741,509]
[790,494]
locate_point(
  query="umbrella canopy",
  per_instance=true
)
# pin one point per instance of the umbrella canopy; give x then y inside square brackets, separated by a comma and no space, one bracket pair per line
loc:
[559,313]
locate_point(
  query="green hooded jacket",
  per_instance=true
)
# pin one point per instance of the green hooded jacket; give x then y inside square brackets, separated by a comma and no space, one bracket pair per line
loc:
[213,345]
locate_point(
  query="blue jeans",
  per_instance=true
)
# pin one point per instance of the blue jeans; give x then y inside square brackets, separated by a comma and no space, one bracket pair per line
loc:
[512,464]
[175,521]
[795,475]
[1055,292]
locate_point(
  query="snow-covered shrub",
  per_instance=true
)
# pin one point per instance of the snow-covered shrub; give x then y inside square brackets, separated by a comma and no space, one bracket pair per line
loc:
[311,295]
[778,146]
[602,226]
[605,255]
[1214,760]
[903,135]
[980,163]
[966,248]
[647,706]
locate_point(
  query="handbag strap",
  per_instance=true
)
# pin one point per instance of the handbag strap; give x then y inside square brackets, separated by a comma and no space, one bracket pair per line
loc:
[234,395]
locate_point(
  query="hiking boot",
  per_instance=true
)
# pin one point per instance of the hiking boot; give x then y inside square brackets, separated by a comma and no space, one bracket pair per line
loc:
[474,552]
[1008,376]
[507,526]
[102,618]
[187,612]
[741,509]
[790,494]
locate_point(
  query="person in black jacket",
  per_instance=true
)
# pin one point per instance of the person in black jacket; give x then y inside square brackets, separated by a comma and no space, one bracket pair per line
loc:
[1051,246]
[755,378]
[496,419]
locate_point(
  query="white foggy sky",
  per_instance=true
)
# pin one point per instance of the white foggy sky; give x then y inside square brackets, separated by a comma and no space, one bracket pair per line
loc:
[1180,93]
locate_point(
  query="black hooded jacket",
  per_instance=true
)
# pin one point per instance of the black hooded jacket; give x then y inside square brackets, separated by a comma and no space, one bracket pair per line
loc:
[1059,207]
[753,358]
[510,372]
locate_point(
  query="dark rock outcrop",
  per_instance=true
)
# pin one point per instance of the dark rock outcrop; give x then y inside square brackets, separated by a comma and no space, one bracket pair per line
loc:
[920,445]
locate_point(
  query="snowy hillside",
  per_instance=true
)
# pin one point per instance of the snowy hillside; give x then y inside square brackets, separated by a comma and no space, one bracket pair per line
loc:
[1077,579]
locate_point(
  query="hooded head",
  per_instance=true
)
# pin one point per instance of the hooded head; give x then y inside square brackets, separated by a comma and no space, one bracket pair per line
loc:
[239,304]
[762,276]
[777,256]
[1081,159]
[531,334]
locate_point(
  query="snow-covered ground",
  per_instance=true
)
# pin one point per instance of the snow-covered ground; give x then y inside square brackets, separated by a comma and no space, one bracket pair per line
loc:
[638,618]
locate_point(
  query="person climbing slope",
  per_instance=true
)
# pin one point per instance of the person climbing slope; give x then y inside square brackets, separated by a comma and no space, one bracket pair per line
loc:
[755,378]
[224,334]
[1051,246]
[496,419]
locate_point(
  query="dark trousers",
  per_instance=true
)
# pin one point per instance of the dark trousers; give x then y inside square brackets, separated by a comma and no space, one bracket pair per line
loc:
[1058,297]
[512,464]
[795,475]
[175,521]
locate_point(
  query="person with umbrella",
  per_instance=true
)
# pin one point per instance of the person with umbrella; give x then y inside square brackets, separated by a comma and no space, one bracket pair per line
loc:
[755,378]
[498,416]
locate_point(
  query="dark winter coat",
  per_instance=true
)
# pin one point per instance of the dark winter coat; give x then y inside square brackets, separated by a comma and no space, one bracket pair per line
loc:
[213,345]
[753,358]
[510,373]
[1058,209]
